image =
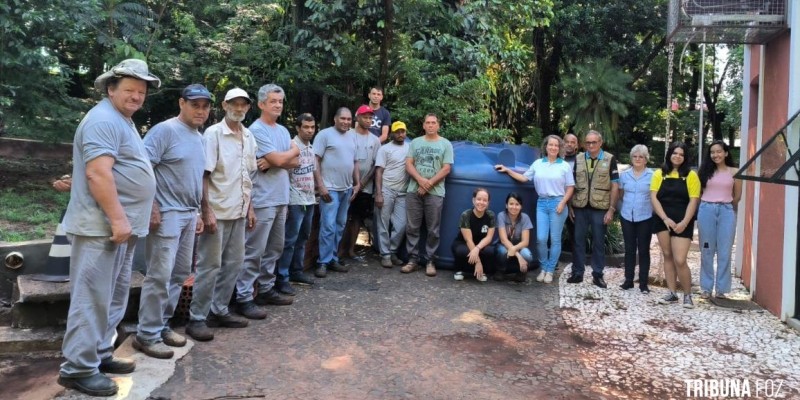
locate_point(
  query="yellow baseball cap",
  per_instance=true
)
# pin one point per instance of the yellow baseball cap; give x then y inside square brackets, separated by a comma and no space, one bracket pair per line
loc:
[397,125]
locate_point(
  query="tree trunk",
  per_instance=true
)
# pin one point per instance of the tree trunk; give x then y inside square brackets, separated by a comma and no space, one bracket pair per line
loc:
[692,106]
[547,65]
[325,117]
[386,44]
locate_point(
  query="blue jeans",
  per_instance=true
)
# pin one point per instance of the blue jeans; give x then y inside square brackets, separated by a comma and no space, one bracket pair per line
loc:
[503,261]
[298,228]
[332,218]
[585,219]
[549,225]
[717,225]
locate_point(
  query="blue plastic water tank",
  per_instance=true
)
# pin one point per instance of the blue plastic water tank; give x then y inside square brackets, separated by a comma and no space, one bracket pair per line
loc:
[474,167]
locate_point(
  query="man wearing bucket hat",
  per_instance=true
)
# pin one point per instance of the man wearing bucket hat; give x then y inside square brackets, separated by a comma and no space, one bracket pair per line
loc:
[391,182]
[230,151]
[113,187]
[175,148]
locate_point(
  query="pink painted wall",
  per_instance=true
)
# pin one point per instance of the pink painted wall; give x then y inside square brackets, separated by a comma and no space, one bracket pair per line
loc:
[771,197]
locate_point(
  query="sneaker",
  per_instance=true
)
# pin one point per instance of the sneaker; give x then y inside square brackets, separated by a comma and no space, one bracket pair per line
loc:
[459,276]
[117,365]
[540,277]
[499,276]
[705,295]
[198,330]
[644,289]
[95,385]
[338,266]
[152,348]
[395,260]
[668,299]
[274,298]
[575,279]
[285,288]
[386,262]
[430,269]
[225,321]
[521,277]
[410,267]
[548,277]
[626,285]
[301,278]
[172,338]
[687,301]
[321,271]
[482,278]
[721,296]
[250,310]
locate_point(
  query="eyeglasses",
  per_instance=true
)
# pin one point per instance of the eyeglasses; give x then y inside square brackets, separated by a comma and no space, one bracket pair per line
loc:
[592,143]
[638,156]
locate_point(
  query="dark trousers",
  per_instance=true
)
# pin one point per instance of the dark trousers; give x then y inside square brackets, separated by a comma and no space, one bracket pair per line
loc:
[637,237]
[585,219]
[461,253]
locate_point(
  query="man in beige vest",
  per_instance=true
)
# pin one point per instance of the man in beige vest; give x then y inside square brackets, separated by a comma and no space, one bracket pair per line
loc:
[592,205]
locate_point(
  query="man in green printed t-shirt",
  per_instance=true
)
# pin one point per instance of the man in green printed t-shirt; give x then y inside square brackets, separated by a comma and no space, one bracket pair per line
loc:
[428,162]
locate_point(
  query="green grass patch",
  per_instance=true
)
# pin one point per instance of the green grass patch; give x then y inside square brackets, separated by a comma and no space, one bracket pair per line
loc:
[30,212]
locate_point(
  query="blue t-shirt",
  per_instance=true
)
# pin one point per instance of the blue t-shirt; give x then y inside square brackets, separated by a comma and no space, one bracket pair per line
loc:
[636,205]
[178,157]
[104,131]
[380,118]
[514,231]
[270,188]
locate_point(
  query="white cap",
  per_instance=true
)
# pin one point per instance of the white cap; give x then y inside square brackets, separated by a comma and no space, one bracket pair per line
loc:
[236,92]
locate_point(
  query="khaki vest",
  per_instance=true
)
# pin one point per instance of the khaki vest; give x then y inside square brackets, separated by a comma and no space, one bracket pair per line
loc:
[594,188]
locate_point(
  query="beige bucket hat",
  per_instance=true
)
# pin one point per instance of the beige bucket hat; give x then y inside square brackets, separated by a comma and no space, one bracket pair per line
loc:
[130,67]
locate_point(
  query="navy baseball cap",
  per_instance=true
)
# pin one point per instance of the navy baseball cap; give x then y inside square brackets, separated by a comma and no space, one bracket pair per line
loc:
[196,91]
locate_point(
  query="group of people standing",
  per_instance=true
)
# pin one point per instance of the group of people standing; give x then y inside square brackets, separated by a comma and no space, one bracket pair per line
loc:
[248,195]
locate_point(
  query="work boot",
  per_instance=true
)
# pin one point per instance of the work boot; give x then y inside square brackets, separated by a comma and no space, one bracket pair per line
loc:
[301,278]
[321,271]
[338,266]
[274,298]
[430,269]
[386,262]
[225,321]
[117,365]
[250,310]
[95,385]
[172,338]
[198,330]
[285,288]
[152,348]
[410,267]
[395,260]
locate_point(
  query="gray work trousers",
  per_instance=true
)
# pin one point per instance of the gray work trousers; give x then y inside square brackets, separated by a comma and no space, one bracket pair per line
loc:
[391,219]
[430,207]
[168,251]
[219,259]
[263,247]
[100,274]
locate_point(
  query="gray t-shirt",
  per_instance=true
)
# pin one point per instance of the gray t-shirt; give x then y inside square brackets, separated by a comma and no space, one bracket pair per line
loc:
[270,188]
[106,132]
[380,118]
[514,231]
[178,157]
[429,158]
[366,150]
[338,153]
[392,157]
[302,178]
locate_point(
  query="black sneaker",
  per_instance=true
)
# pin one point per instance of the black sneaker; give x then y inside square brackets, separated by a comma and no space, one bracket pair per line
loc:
[274,298]
[668,299]
[575,279]
[285,288]
[626,285]
[301,279]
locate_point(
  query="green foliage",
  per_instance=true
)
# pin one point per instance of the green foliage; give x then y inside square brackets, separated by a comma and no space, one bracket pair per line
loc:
[596,97]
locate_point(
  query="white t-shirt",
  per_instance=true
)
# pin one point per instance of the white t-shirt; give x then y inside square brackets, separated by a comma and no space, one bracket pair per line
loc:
[392,158]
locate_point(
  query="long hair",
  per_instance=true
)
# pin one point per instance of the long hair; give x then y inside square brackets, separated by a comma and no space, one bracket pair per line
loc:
[683,169]
[707,167]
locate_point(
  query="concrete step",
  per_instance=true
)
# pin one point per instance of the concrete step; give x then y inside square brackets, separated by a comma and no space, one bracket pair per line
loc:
[39,304]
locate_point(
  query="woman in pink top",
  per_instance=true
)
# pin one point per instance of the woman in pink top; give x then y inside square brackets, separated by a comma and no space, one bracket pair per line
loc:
[716,218]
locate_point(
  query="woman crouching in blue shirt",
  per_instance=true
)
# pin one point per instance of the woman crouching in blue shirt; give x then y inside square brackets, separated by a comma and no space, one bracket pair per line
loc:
[514,230]
[636,215]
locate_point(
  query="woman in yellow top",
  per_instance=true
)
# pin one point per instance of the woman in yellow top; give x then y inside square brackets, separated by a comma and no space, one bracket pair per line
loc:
[675,193]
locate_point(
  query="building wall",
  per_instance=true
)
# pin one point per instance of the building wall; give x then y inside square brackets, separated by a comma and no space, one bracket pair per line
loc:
[750,146]
[771,197]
